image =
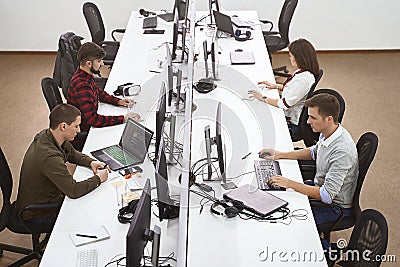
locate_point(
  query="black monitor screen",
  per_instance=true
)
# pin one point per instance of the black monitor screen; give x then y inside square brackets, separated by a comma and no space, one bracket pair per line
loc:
[135,239]
[160,116]
[165,208]
[218,141]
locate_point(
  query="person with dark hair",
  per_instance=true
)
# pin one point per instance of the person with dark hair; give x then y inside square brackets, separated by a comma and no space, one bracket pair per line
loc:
[336,161]
[295,89]
[44,177]
[84,93]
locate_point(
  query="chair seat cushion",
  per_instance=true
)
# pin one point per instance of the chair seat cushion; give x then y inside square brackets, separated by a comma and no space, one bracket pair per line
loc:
[15,225]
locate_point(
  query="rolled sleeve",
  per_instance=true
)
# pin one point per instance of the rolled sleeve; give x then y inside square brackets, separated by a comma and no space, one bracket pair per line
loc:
[313,151]
[325,197]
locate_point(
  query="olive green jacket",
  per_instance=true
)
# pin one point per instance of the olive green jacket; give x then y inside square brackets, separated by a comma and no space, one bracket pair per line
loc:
[45,178]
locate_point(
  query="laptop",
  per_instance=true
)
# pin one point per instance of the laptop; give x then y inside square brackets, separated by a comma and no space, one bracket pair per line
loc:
[223,22]
[239,23]
[131,150]
[260,202]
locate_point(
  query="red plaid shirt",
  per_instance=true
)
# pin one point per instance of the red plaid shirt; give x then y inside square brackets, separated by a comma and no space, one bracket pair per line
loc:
[84,94]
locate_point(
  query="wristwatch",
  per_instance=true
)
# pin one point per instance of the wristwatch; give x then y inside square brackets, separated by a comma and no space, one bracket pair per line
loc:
[265,99]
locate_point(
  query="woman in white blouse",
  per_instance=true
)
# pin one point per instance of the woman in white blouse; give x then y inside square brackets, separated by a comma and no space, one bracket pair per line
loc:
[295,89]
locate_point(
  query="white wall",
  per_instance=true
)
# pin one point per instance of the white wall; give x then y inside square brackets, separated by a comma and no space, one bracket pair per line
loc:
[27,25]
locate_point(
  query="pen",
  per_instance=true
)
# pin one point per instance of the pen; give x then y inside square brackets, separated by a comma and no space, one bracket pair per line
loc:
[155,71]
[245,156]
[89,236]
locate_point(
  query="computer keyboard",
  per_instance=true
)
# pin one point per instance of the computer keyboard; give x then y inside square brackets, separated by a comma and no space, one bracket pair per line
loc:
[150,22]
[119,155]
[86,258]
[264,170]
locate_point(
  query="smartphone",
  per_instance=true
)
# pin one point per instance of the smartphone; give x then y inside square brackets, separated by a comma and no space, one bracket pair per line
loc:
[130,170]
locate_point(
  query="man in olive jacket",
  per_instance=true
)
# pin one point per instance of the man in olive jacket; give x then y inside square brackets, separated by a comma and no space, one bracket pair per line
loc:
[44,177]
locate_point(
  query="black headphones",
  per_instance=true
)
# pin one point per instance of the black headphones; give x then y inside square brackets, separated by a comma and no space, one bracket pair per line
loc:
[231,208]
[130,209]
[205,85]
[242,35]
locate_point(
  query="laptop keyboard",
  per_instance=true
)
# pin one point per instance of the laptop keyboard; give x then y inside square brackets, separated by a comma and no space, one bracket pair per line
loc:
[264,170]
[150,22]
[120,156]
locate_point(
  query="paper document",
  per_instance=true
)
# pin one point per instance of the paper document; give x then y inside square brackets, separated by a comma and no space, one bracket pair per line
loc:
[89,235]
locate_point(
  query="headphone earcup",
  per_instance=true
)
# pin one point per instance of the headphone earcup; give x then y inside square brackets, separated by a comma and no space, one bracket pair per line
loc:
[239,205]
[231,212]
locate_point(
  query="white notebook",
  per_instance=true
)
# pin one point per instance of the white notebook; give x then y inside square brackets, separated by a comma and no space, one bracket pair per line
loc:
[89,235]
[242,57]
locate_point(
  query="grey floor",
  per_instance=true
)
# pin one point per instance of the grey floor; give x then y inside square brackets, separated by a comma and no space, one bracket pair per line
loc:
[368,82]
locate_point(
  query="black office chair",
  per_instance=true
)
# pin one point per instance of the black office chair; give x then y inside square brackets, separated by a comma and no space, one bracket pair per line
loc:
[306,133]
[51,92]
[11,220]
[366,149]
[276,41]
[297,136]
[369,233]
[97,30]
[53,98]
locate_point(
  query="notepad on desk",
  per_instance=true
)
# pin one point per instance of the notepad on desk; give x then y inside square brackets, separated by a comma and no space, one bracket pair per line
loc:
[242,57]
[89,235]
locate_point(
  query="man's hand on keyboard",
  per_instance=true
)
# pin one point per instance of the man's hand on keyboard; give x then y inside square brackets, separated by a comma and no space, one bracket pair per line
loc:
[279,181]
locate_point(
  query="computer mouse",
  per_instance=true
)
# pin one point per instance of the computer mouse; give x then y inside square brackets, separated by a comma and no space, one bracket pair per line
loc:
[265,154]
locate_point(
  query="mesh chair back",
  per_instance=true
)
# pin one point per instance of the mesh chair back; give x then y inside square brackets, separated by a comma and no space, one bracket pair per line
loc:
[321,72]
[369,233]
[310,138]
[366,150]
[285,19]
[6,185]
[51,92]
[94,21]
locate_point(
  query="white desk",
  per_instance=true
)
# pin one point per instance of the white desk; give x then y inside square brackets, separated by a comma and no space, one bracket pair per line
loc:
[248,126]
[133,62]
[212,241]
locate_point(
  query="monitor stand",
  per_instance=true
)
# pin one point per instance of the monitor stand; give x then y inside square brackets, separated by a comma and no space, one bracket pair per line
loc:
[171,212]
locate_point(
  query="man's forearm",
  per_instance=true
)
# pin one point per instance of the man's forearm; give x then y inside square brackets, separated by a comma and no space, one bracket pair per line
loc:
[302,154]
[308,190]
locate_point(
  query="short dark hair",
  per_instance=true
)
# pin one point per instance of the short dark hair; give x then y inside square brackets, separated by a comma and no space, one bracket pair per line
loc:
[328,105]
[90,51]
[305,55]
[63,113]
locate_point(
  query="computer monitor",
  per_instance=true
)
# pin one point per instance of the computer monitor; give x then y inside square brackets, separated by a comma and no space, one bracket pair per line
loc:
[214,55]
[217,140]
[205,54]
[180,7]
[175,33]
[166,209]
[155,250]
[160,116]
[136,238]
[210,7]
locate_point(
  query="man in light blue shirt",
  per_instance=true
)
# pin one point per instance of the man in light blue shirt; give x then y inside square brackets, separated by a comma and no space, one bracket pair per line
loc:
[336,160]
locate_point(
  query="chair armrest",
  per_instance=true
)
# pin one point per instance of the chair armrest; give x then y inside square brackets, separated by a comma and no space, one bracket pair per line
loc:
[265,21]
[317,203]
[109,43]
[116,31]
[40,207]
[270,33]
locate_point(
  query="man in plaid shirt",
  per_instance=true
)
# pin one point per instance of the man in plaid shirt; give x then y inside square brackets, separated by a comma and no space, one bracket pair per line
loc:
[84,93]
